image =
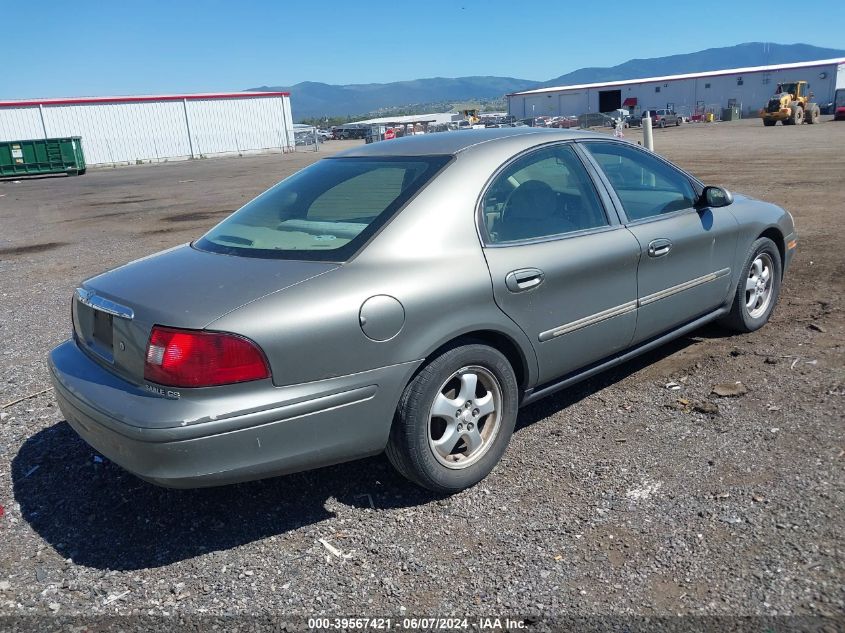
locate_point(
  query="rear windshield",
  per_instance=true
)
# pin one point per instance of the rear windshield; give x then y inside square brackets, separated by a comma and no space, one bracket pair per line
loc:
[324,212]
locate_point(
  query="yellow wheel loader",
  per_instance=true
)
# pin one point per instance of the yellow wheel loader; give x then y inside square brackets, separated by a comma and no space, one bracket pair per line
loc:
[791,105]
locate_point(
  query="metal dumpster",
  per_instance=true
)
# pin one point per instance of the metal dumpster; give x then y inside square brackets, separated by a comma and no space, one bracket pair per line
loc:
[731,113]
[42,156]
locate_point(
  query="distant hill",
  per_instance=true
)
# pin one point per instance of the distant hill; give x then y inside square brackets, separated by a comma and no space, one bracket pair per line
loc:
[314,99]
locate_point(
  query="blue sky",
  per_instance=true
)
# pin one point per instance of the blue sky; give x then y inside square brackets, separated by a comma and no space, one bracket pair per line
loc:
[107,47]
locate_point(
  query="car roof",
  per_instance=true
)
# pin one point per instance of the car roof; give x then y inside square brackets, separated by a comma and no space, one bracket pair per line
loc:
[449,143]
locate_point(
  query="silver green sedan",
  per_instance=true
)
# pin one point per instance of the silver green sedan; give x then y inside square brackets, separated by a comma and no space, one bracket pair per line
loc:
[407,296]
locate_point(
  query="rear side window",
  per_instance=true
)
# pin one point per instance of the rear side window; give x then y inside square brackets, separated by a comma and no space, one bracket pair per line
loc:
[646,186]
[545,193]
[324,212]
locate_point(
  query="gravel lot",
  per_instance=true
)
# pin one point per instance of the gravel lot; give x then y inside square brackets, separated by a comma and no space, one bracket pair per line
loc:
[619,496]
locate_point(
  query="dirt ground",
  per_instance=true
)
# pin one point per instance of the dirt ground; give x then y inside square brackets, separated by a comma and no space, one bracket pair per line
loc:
[618,496]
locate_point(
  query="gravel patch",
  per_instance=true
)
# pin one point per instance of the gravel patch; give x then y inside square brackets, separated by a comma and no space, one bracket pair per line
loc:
[621,496]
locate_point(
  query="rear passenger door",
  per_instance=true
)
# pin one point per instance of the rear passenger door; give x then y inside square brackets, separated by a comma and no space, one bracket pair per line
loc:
[562,268]
[685,252]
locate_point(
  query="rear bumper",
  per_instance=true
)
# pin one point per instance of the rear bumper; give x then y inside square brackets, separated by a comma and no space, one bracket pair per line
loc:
[276,430]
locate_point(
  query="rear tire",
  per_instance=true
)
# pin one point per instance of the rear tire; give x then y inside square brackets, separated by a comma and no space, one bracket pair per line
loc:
[758,288]
[430,415]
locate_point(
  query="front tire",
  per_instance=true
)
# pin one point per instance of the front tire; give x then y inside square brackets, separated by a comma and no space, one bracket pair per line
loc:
[758,288]
[455,419]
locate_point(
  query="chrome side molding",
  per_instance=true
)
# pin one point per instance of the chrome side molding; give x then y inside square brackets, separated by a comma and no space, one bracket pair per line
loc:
[629,306]
[692,283]
[103,305]
[588,320]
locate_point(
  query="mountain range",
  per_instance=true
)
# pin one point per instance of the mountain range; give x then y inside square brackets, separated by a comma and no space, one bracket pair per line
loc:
[315,99]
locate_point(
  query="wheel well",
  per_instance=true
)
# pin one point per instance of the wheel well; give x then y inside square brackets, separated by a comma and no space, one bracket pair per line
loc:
[777,237]
[497,341]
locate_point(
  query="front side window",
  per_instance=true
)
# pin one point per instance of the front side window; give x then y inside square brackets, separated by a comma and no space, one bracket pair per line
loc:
[646,186]
[545,193]
[324,212]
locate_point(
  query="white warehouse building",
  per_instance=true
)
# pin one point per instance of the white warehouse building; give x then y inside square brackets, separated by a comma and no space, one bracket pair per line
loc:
[748,88]
[155,128]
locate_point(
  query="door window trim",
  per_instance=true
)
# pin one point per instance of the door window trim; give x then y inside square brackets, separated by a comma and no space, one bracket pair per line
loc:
[607,204]
[553,238]
[696,184]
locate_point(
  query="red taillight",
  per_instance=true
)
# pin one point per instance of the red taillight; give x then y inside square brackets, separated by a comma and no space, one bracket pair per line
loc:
[193,358]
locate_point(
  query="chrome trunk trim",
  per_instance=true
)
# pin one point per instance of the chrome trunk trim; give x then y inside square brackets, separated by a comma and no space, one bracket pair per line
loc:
[90,299]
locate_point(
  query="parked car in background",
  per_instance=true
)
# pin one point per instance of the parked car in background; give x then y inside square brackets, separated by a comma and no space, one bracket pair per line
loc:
[408,297]
[350,131]
[636,119]
[659,118]
[306,138]
[617,117]
[664,117]
[565,122]
[596,119]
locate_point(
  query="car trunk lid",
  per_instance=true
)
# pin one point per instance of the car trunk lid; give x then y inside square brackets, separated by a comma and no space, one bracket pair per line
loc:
[113,313]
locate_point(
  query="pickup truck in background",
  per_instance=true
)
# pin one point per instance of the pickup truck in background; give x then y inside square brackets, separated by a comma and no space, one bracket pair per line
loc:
[659,118]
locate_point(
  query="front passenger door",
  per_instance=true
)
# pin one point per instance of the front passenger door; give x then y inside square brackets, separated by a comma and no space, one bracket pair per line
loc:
[685,253]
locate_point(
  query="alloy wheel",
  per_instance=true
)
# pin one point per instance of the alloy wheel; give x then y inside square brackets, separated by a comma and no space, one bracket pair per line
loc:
[758,286]
[465,417]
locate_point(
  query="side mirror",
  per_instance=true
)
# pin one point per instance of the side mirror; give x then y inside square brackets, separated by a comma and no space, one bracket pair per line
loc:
[714,197]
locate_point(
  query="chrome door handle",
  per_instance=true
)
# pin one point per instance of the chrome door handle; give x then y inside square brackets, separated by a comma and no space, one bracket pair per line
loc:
[659,247]
[524,279]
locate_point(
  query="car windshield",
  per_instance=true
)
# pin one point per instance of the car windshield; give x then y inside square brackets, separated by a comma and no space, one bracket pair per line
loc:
[324,212]
[840,98]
